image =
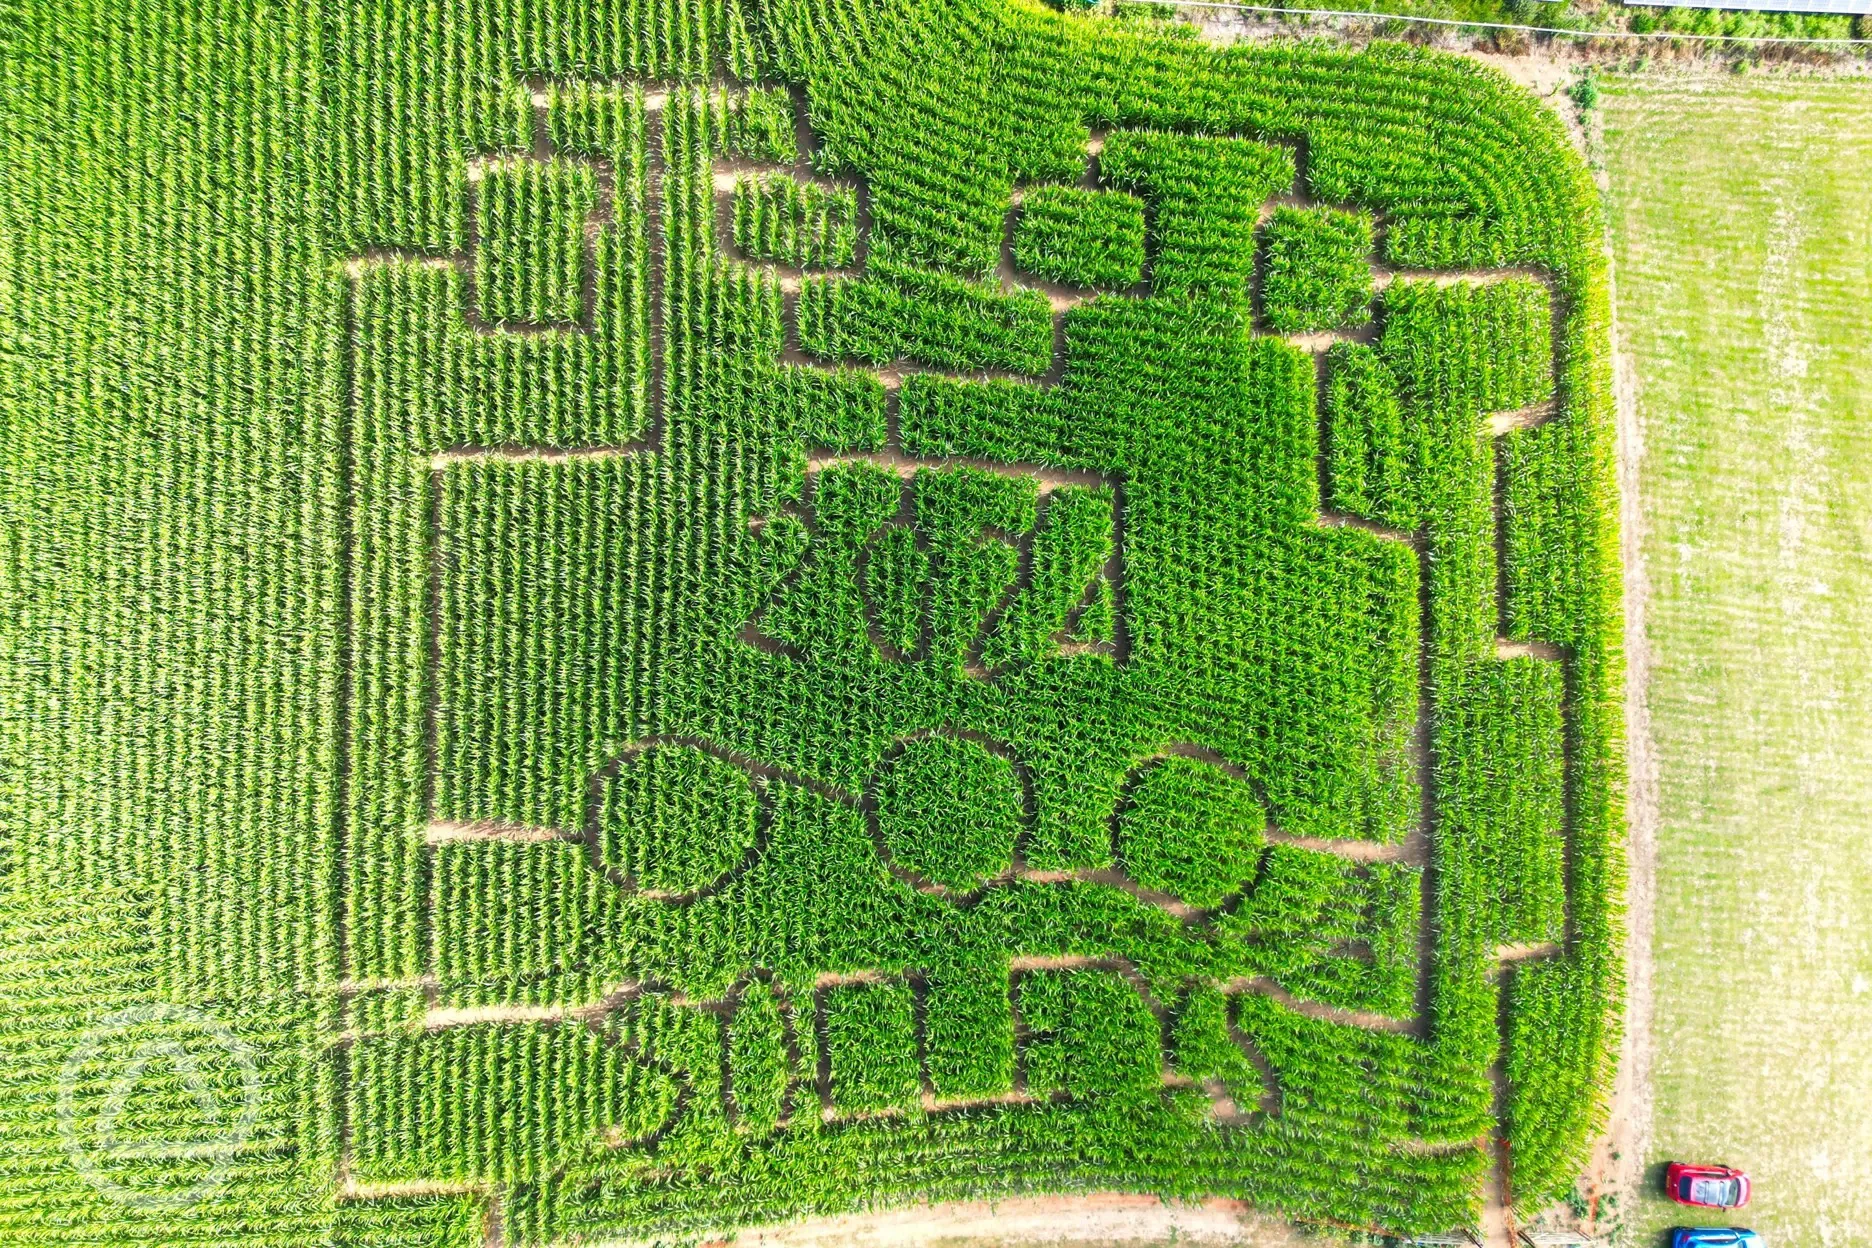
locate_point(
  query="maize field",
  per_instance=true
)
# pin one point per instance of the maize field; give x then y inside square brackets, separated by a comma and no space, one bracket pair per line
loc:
[680,613]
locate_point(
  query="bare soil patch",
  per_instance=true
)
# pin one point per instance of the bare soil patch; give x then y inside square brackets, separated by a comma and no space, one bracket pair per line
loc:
[1095,1220]
[1618,1162]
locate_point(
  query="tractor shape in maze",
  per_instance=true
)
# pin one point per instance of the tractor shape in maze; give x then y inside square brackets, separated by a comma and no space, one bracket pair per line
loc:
[789,678]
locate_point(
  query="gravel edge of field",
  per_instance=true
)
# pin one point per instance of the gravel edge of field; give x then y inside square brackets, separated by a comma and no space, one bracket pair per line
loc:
[1618,1162]
[1092,1220]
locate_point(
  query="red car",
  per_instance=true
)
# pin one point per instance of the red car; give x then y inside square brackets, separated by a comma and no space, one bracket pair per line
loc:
[1706,1187]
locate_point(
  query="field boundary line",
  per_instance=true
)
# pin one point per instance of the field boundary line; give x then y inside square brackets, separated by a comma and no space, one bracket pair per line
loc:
[1533,30]
[1628,1134]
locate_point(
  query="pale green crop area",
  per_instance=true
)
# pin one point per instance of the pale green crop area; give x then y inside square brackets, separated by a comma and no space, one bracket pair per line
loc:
[1741,219]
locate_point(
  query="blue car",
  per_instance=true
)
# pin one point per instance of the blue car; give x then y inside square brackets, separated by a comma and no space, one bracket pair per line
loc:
[1715,1237]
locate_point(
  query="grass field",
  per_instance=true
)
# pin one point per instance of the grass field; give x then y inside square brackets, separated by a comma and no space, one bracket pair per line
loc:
[1742,230]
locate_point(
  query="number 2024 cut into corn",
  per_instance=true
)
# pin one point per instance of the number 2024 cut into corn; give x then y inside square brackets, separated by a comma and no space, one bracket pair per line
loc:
[636,617]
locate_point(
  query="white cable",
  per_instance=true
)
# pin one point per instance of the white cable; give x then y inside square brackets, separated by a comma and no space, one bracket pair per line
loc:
[1536,30]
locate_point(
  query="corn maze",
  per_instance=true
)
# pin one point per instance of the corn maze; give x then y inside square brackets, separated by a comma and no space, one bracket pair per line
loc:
[870,602]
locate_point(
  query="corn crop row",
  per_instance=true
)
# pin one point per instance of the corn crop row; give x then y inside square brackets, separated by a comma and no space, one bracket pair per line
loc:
[435,590]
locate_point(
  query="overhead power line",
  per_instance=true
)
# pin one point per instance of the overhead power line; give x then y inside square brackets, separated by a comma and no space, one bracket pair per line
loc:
[1533,30]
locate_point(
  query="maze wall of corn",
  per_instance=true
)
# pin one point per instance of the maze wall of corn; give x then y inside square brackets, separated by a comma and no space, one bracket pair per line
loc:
[678,614]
